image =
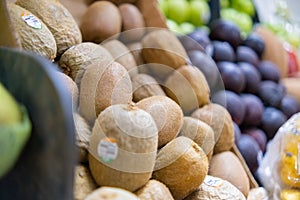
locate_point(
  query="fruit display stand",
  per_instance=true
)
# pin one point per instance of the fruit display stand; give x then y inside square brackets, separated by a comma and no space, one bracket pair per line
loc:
[61,151]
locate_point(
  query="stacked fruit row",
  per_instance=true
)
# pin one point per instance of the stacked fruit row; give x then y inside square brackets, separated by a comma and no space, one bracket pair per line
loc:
[145,124]
[253,92]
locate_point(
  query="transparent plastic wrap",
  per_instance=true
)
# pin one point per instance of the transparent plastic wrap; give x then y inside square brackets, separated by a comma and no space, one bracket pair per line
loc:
[279,170]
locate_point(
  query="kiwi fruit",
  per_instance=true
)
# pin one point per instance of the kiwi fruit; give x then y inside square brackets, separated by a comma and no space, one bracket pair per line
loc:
[227,166]
[133,24]
[74,61]
[102,20]
[167,115]
[118,2]
[101,86]
[83,134]
[38,40]
[200,133]
[111,193]
[77,8]
[58,19]
[218,118]
[136,50]
[188,87]
[214,188]
[123,147]
[84,183]
[144,86]
[122,55]
[167,51]
[182,166]
[154,190]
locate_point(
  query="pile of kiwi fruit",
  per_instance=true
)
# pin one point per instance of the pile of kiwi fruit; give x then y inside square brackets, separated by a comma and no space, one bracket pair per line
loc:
[145,124]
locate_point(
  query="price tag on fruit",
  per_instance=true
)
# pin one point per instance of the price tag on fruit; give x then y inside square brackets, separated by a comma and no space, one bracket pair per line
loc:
[32,21]
[214,182]
[108,149]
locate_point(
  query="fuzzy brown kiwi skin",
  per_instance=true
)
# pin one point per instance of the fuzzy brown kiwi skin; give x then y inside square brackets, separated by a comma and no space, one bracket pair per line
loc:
[226,165]
[145,86]
[102,20]
[121,55]
[154,190]
[220,120]
[133,166]
[133,23]
[166,51]
[188,87]
[59,21]
[166,113]
[75,60]
[83,182]
[200,133]
[182,166]
[101,86]
[40,41]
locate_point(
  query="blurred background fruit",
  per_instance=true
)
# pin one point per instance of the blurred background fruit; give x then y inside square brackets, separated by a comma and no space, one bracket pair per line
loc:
[253,59]
[187,14]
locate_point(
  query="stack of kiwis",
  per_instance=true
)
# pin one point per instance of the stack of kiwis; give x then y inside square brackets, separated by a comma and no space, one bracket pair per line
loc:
[145,125]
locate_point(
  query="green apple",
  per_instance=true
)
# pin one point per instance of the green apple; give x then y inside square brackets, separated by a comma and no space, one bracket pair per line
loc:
[224,3]
[186,27]
[9,109]
[293,38]
[15,129]
[163,6]
[242,20]
[245,6]
[173,26]
[199,12]
[178,10]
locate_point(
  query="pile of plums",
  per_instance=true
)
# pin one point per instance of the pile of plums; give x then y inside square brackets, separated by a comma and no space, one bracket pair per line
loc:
[252,91]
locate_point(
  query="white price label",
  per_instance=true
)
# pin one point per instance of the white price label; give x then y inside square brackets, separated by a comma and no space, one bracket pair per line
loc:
[107,149]
[32,21]
[214,182]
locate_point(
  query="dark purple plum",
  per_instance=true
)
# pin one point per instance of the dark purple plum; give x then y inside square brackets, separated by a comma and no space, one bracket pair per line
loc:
[255,42]
[254,110]
[237,132]
[206,65]
[259,135]
[200,36]
[232,76]
[246,54]
[189,44]
[224,30]
[271,93]
[269,71]
[233,103]
[252,77]
[289,106]
[250,151]
[222,51]
[272,120]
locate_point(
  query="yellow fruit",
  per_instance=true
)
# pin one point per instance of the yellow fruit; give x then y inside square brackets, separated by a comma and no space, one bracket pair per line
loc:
[289,167]
[15,129]
[9,110]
